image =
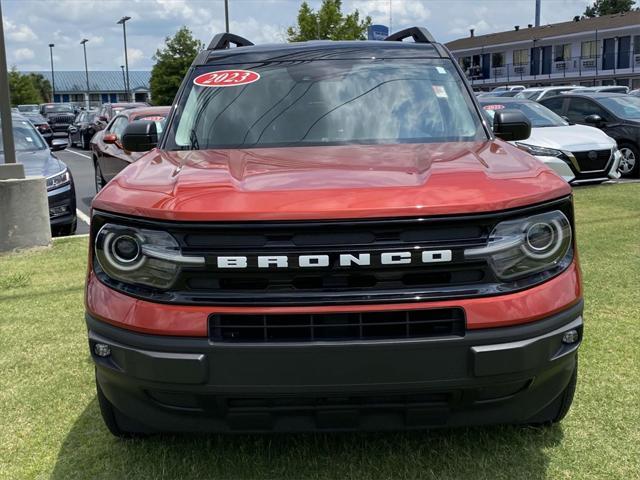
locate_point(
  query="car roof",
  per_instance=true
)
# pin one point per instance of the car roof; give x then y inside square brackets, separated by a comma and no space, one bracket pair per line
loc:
[144,111]
[504,100]
[319,50]
[591,94]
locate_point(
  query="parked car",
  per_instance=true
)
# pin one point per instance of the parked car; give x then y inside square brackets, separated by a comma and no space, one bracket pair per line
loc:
[540,93]
[29,108]
[579,154]
[109,157]
[83,128]
[615,114]
[501,93]
[37,157]
[508,88]
[59,116]
[307,249]
[635,93]
[109,110]
[41,125]
[606,89]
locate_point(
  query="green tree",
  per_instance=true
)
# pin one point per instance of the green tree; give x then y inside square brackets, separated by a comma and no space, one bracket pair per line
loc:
[42,85]
[22,89]
[328,23]
[608,7]
[172,63]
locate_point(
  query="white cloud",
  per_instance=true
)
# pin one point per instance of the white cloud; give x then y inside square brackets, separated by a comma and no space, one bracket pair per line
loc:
[134,56]
[23,54]
[19,33]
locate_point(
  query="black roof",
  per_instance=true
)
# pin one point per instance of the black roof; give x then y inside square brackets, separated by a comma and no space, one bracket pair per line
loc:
[320,50]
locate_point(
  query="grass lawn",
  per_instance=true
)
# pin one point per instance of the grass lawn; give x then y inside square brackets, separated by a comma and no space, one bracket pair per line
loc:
[51,427]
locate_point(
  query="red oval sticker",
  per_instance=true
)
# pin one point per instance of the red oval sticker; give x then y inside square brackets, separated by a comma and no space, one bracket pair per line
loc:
[226,78]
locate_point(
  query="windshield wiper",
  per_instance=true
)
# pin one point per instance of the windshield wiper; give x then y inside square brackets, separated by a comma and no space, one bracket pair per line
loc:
[193,138]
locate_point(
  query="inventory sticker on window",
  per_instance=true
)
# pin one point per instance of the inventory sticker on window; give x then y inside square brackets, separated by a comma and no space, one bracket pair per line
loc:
[226,78]
[493,107]
[440,91]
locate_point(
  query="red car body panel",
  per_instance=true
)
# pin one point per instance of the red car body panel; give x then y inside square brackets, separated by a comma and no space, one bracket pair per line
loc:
[330,182]
[180,320]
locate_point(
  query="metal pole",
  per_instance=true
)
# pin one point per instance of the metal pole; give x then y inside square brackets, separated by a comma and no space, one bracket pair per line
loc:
[5,102]
[123,21]
[53,77]
[86,70]
[538,8]
[390,30]
[124,80]
[226,15]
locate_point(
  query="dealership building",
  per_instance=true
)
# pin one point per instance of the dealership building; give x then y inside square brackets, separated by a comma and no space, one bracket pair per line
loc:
[104,86]
[585,51]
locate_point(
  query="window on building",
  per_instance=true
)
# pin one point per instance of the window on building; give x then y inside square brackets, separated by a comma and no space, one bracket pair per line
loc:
[521,57]
[589,49]
[465,63]
[562,53]
[636,45]
[497,59]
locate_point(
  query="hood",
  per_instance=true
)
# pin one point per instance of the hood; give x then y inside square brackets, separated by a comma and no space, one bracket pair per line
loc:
[573,138]
[330,182]
[38,162]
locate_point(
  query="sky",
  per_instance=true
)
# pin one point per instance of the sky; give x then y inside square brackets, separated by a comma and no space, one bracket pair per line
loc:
[31,25]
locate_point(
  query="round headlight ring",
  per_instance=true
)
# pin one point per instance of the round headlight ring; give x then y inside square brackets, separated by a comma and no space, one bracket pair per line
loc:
[551,247]
[117,259]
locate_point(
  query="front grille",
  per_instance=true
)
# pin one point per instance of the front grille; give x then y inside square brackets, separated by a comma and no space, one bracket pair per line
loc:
[593,160]
[334,282]
[58,119]
[437,322]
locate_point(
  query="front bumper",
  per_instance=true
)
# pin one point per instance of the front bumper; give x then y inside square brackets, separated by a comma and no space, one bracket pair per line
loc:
[488,376]
[62,205]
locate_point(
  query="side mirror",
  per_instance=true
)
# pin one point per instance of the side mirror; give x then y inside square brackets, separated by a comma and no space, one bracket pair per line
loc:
[511,125]
[140,136]
[593,119]
[57,145]
[110,138]
[102,118]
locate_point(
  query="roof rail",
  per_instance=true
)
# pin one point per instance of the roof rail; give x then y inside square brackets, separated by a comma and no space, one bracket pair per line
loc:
[222,41]
[419,35]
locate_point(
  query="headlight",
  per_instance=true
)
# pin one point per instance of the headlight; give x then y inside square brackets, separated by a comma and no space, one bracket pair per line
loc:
[540,151]
[140,256]
[518,248]
[58,180]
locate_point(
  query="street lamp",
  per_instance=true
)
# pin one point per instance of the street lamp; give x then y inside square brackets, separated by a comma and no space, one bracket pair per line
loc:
[226,15]
[124,80]
[53,78]
[123,22]
[86,69]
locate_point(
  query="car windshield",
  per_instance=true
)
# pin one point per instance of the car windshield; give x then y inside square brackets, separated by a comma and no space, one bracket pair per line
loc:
[528,95]
[328,102]
[538,115]
[58,109]
[624,106]
[25,137]
[158,119]
[28,108]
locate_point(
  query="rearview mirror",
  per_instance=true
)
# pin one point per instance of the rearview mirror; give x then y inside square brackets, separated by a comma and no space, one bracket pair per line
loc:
[511,125]
[140,136]
[57,145]
[593,119]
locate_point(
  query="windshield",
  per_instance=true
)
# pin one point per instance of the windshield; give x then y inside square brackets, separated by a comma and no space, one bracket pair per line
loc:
[328,102]
[28,108]
[158,119]
[58,109]
[538,115]
[25,137]
[624,106]
[529,95]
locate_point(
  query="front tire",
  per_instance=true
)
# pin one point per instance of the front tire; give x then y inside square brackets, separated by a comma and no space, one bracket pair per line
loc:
[66,230]
[85,142]
[630,163]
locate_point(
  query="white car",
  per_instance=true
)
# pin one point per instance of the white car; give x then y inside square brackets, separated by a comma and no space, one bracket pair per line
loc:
[538,93]
[578,153]
[508,88]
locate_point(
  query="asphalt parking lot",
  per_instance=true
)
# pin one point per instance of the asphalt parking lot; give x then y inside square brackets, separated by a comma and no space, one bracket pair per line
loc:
[79,162]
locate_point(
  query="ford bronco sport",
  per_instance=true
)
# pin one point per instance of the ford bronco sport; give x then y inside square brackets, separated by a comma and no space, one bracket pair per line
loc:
[328,235]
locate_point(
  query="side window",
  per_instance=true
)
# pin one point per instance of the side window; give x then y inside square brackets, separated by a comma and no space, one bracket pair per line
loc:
[554,104]
[580,108]
[118,125]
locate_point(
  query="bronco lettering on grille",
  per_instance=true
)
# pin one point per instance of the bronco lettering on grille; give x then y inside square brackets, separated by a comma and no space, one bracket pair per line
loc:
[341,260]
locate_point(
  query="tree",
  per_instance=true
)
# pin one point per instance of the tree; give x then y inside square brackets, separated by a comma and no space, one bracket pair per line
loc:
[22,89]
[328,23]
[608,7]
[42,85]
[172,63]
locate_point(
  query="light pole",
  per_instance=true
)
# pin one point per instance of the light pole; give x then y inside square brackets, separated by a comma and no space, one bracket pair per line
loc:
[124,80]
[123,22]
[5,105]
[226,15]
[86,70]
[53,78]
